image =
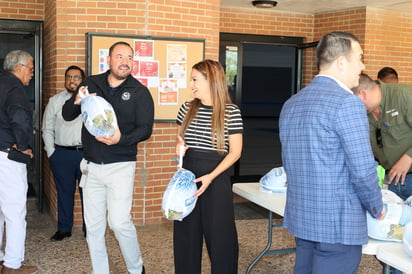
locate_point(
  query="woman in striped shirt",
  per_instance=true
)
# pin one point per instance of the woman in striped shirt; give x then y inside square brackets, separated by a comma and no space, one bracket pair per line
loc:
[211,129]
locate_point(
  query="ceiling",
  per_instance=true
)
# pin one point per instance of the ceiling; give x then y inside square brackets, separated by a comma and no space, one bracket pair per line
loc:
[320,6]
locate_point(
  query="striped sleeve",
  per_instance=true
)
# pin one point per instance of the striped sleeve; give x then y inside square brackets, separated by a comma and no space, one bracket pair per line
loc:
[182,113]
[235,120]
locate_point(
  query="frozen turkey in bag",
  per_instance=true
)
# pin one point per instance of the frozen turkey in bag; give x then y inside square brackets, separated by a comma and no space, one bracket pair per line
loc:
[391,227]
[98,115]
[274,181]
[407,239]
[179,198]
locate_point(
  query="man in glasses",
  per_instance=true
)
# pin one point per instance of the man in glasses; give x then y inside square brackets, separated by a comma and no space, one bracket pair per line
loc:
[16,138]
[391,129]
[63,145]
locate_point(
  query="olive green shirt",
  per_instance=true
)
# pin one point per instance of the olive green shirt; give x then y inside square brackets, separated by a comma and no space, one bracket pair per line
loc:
[395,124]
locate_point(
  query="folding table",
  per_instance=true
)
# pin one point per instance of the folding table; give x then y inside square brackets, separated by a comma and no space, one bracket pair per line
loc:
[394,255]
[275,203]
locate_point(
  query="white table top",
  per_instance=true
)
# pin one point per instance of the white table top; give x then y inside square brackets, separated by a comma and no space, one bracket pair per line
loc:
[394,255]
[371,248]
[276,203]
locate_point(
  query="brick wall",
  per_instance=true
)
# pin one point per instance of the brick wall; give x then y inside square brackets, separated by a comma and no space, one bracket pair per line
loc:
[22,9]
[268,22]
[66,33]
[271,22]
[352,20]
[388,42]
[384,35]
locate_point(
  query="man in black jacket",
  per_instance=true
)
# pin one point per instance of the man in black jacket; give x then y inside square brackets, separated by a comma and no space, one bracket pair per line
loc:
[16,138]
[109,162]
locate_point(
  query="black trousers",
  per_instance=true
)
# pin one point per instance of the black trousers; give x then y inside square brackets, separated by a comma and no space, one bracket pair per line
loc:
[212,219]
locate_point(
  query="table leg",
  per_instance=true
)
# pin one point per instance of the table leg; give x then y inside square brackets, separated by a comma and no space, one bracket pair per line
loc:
[266,250]
[386,268]
[269,243]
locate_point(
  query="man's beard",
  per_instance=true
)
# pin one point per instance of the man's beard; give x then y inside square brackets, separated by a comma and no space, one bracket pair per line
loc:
[121,73]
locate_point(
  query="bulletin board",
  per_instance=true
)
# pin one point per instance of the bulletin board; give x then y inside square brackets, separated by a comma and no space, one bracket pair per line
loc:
[162,64]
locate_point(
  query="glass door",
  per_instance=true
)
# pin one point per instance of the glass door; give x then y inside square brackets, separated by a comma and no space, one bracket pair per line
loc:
[262,74]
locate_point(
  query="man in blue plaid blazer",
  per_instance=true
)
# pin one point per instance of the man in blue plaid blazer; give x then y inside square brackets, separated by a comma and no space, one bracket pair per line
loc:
[327,156]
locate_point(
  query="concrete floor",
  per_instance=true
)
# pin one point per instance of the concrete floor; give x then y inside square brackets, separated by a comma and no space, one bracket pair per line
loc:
[261,153]
[71,255]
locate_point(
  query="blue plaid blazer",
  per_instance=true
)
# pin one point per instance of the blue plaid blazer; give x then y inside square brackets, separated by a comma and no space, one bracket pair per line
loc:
[330,168]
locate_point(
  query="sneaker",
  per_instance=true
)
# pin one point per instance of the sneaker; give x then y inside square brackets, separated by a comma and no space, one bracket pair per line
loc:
[24,269]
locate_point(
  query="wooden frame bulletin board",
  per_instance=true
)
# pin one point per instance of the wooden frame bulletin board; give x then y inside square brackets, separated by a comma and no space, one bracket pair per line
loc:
[163,64]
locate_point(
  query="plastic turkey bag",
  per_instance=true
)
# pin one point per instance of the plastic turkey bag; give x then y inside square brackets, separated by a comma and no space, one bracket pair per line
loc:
[98,115]
[391,227]
[179,199]
[274,181]
[407,239]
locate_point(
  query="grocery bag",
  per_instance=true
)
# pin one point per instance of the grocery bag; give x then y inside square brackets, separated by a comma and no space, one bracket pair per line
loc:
[179,199]
[274,181]
[98,115]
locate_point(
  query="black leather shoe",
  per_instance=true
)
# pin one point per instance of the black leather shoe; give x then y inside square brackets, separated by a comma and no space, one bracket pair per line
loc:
[60,235]
[143,271]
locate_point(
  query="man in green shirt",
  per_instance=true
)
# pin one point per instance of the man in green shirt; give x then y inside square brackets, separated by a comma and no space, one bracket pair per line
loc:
[389,109]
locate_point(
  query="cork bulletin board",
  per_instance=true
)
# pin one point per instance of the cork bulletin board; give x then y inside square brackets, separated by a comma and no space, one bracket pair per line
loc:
[163,64]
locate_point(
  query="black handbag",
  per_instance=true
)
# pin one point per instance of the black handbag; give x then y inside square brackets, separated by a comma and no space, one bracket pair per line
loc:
[18,156]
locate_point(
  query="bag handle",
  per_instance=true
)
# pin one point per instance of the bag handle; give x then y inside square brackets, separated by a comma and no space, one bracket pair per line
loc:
[181,150]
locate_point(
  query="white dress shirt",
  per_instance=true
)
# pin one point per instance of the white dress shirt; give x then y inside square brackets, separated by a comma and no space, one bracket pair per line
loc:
[55,130]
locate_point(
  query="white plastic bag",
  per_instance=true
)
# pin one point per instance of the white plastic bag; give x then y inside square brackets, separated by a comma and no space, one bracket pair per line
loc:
[407,239]
[98,115]
[179,199]
[391,227]
[274,181]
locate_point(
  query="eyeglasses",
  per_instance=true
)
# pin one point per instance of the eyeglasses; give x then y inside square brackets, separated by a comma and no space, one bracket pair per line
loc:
[74,77]
[378,135]
[31,69]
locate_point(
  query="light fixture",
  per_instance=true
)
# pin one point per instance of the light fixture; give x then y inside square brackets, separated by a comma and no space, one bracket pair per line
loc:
[264,4]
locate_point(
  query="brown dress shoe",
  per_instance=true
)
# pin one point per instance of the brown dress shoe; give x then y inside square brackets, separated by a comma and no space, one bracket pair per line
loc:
[24,269]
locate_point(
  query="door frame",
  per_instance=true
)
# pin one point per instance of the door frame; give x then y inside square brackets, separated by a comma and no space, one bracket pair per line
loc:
[238,40]
[11,26]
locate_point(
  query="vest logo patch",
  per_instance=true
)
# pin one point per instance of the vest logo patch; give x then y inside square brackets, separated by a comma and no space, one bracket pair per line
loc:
[126,96]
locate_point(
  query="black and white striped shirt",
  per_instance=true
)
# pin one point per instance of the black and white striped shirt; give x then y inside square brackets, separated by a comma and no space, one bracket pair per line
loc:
[198,133]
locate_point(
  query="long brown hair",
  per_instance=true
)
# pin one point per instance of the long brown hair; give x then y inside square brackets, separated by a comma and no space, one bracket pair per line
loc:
[215,75]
